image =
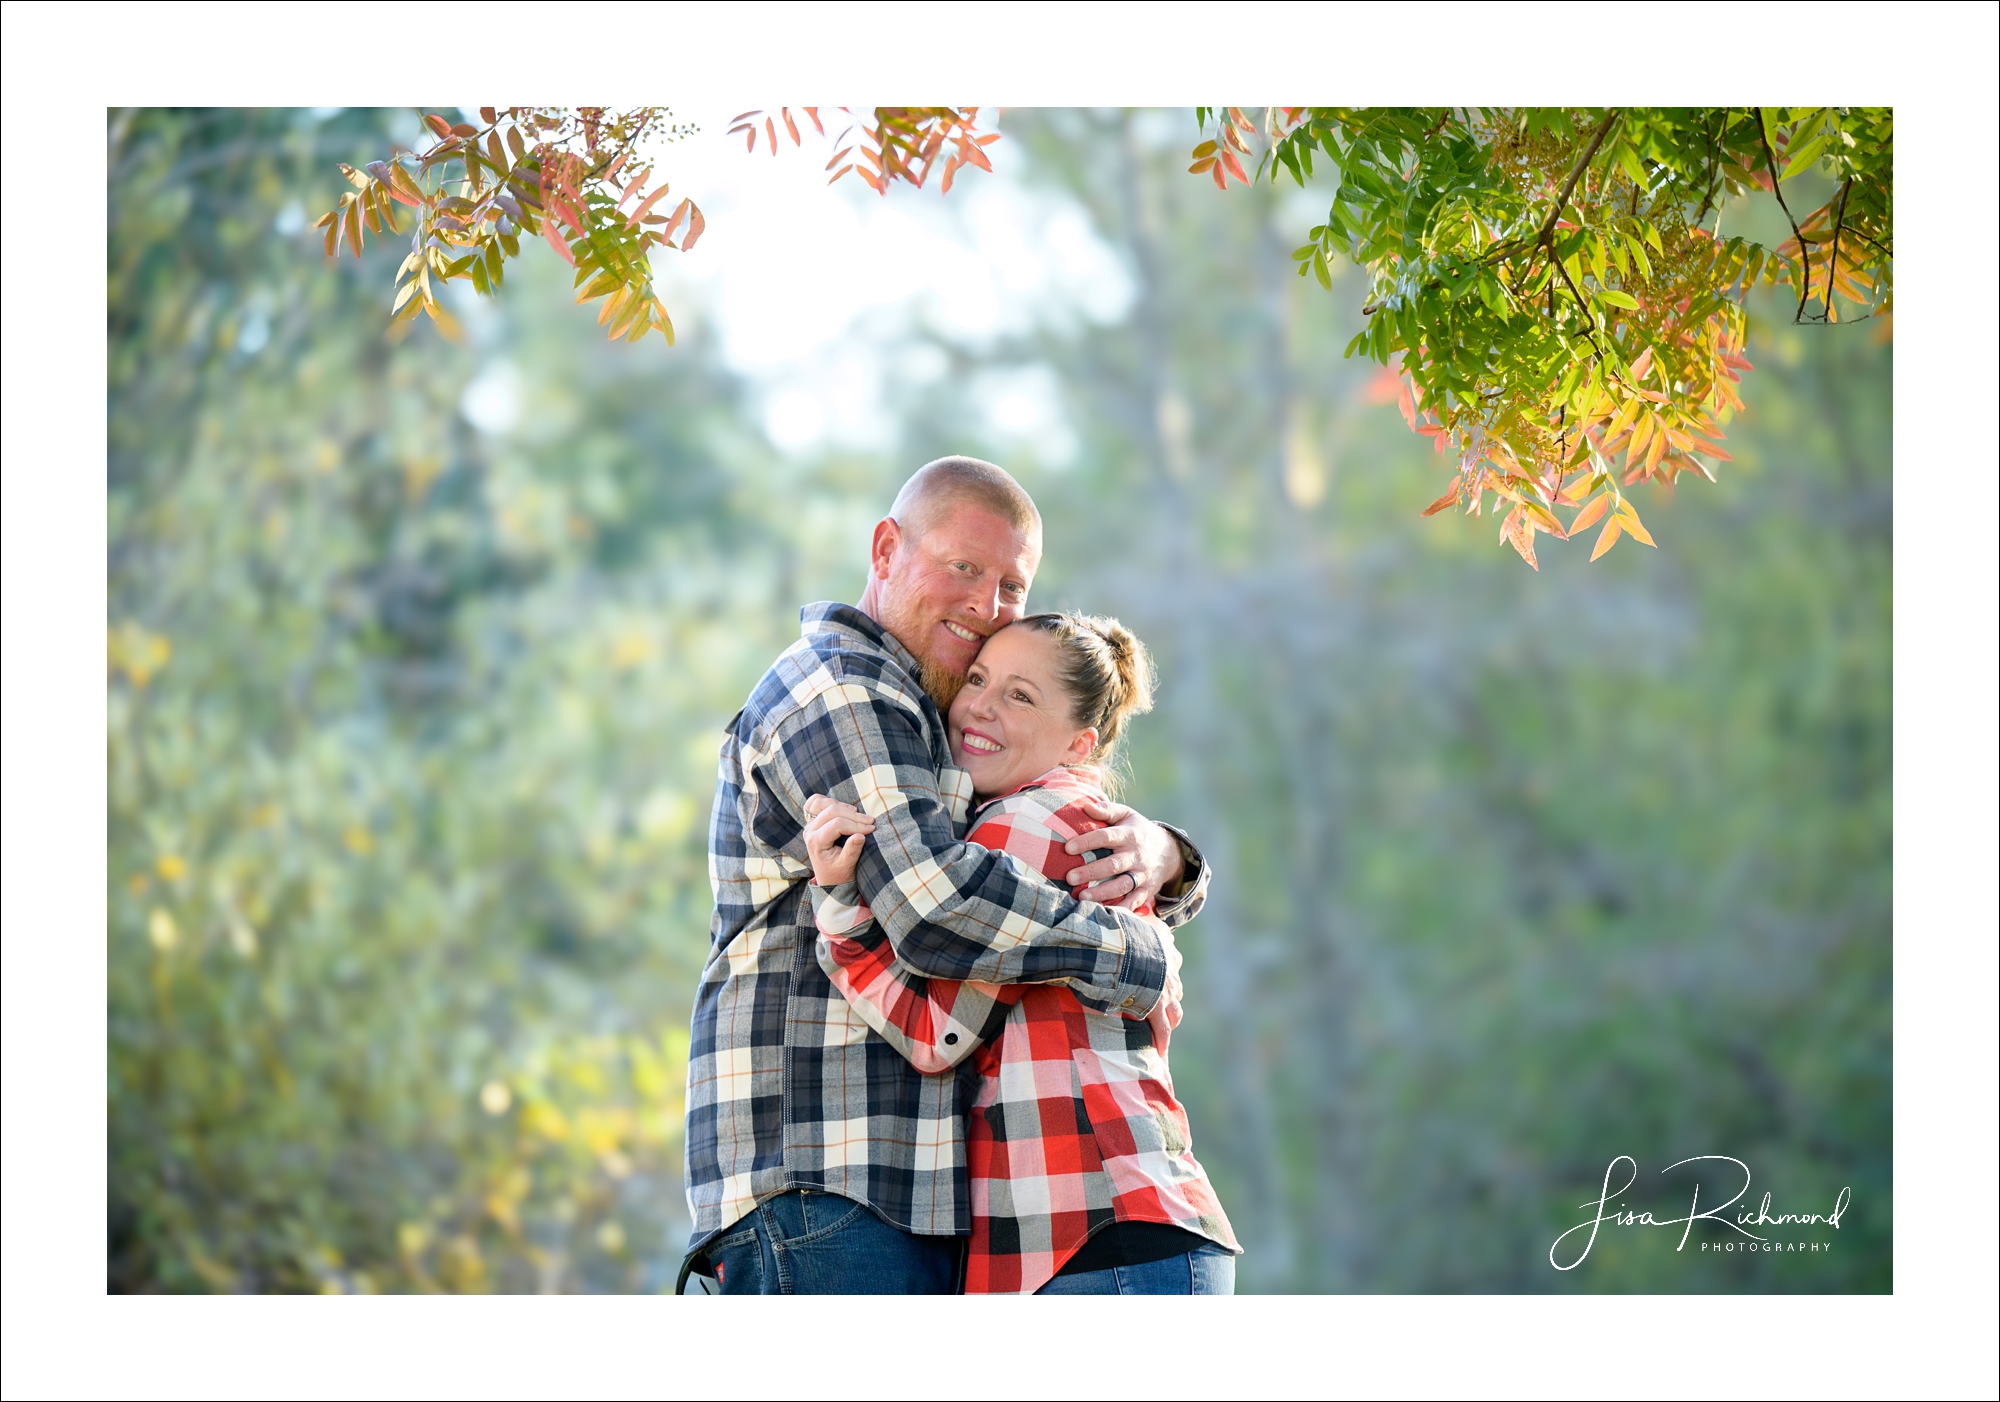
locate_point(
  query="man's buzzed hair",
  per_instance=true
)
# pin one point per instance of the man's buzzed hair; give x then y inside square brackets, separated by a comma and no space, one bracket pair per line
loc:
[937,486]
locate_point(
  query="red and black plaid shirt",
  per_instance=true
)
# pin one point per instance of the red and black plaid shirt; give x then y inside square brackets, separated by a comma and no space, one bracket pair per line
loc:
[1075,1124]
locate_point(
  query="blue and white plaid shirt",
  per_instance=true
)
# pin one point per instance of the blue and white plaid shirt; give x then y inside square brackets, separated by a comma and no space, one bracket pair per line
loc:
[787,1086]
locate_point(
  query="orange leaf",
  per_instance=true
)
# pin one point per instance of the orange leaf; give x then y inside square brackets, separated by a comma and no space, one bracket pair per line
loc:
[1606,538]
[1642,364]
[1407,402]
[771,132]
[1450,498]
[645,207]
[695,225]
[790,125]
[812,112]
[1586,518]
[1235,166]
[438,124]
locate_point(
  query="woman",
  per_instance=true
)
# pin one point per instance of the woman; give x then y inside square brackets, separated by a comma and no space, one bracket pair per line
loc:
[1077,1153]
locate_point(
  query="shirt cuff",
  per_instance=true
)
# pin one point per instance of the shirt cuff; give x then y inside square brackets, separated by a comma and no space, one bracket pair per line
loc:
[839,910]
[1179,904]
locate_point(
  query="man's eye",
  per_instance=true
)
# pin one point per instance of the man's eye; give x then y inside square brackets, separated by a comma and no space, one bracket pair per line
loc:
[962,567]
[1015,589]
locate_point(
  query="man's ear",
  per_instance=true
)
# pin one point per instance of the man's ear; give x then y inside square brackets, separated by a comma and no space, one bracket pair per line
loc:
[888,540]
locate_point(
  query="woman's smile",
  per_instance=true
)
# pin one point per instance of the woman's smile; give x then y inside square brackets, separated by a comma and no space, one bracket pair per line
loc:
[978,742]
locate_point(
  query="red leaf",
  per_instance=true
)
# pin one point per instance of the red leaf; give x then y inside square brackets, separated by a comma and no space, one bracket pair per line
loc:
[695,225]
[438,124]
[1409,404]
[556,242]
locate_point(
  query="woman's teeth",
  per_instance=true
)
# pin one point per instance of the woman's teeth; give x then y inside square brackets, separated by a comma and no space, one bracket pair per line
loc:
[979,744]
[965,633]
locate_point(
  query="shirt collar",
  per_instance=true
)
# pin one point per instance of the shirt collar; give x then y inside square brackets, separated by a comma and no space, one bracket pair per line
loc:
[851,621]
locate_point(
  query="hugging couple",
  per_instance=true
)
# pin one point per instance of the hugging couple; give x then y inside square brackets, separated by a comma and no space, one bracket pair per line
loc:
[929,1050]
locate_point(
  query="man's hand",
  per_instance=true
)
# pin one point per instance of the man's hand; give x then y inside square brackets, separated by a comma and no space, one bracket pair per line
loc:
[1144,859]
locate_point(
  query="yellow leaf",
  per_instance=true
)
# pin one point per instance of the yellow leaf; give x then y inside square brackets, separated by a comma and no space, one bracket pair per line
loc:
[1630,519]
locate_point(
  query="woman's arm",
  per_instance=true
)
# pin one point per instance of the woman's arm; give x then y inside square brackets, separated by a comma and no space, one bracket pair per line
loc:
[934,1023]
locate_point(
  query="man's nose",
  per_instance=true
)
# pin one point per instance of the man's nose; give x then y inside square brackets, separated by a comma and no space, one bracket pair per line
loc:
[985,604]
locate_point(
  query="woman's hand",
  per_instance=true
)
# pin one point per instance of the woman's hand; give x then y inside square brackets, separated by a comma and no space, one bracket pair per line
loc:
[835,833]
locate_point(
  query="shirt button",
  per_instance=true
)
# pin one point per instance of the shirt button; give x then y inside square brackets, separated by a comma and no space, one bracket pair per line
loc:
[951,1039]
[1130,1001]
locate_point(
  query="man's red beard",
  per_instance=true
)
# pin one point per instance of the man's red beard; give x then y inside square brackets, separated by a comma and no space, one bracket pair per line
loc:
[943,686]
[940,683]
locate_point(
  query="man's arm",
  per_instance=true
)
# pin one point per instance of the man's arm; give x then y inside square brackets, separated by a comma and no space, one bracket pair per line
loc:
[949,910]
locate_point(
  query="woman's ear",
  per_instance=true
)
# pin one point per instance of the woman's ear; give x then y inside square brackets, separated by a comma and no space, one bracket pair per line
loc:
[1082,745]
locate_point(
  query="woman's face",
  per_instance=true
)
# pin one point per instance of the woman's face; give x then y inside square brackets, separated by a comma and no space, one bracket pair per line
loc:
[1012,722]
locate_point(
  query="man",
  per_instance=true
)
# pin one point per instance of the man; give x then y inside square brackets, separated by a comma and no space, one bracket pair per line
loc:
[818,1159]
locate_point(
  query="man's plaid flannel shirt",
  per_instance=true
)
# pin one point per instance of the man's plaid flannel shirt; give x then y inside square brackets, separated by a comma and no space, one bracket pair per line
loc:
[788,1087]
[1074,1124]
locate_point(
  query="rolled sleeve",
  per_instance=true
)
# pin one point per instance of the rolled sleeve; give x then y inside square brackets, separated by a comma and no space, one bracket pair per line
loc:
[1187,900]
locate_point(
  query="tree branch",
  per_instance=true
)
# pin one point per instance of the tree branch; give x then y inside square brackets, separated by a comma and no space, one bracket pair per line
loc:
[1547,233]
[1805,254]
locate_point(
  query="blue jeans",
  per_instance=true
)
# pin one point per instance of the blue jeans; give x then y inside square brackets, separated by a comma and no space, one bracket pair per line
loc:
[813,1243]
[1206,1270]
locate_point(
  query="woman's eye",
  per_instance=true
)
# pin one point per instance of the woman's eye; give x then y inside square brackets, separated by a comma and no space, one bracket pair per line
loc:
[1024,698]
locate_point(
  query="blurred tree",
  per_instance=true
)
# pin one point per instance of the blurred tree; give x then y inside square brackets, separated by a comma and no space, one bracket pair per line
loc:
[408,750]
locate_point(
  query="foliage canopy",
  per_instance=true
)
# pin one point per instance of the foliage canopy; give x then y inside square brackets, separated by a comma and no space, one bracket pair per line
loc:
[1555,285]
[1552,283]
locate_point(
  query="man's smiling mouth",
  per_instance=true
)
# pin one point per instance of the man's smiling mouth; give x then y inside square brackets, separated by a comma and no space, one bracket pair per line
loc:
[965,633]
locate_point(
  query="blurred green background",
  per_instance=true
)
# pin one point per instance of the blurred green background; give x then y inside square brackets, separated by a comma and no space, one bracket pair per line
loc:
[412,727]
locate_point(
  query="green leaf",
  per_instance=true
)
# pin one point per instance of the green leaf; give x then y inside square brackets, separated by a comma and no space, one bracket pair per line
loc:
[1618,299]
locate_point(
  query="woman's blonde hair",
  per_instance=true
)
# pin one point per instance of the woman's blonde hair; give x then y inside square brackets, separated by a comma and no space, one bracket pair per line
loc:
[1108,674]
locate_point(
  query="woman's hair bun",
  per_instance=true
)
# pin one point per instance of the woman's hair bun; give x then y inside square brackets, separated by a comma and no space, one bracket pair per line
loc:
[1105,669]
